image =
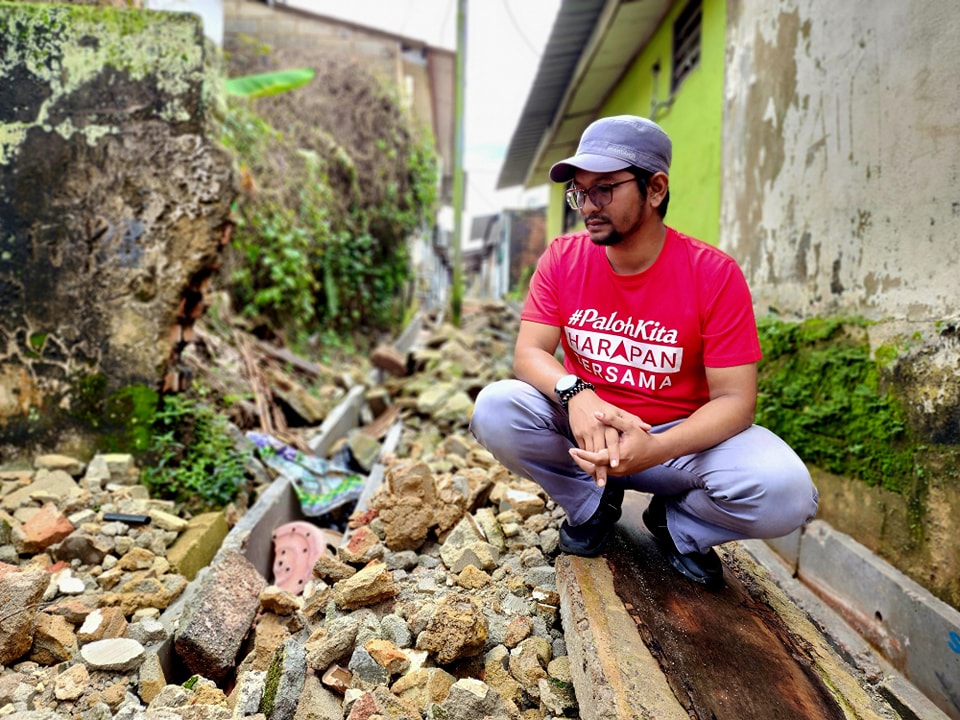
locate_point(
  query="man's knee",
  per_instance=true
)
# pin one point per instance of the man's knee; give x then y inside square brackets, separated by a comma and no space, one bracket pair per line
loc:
[789,502]
[488,412]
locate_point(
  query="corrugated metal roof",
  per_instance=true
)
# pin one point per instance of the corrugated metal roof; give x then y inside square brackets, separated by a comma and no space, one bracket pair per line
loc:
[575,22]
[591,46]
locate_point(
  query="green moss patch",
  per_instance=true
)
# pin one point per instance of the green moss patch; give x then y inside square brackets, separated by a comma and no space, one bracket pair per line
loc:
[192,458]
[820,391]
[122,420]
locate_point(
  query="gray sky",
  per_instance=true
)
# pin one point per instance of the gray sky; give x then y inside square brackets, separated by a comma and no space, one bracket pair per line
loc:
[504,41]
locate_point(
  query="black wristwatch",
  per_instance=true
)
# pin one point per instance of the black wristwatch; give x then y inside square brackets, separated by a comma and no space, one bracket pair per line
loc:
[568,386]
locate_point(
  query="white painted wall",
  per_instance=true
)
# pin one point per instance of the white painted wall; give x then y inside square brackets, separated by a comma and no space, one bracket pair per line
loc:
[841,171]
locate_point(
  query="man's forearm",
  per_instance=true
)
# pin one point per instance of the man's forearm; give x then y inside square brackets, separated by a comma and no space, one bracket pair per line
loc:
[718,420]
[538,368]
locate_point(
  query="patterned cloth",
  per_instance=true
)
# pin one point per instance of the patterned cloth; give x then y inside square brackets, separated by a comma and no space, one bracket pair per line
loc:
[321,485]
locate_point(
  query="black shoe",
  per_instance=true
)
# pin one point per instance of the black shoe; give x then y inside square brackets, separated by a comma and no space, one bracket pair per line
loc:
[702,568]
[613,498]
[590,538]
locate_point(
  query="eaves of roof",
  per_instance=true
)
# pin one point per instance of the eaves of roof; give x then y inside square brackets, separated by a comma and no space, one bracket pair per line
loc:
[591,46]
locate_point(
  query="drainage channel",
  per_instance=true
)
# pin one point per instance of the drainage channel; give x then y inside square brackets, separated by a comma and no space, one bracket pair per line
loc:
[278,505]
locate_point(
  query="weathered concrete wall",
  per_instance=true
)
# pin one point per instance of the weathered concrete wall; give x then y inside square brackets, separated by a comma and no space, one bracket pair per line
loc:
[840,195]
[840,192]
[113,200]
[841,155]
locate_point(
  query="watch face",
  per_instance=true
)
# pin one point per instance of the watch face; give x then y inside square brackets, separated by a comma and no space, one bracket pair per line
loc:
[566,382]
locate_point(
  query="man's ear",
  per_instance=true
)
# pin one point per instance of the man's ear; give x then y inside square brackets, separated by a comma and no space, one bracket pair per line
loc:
[657,187]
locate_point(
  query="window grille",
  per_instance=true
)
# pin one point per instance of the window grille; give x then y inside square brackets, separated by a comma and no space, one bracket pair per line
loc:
[686,43]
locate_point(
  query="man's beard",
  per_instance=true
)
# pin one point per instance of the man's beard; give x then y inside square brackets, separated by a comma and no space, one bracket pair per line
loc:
[614,237]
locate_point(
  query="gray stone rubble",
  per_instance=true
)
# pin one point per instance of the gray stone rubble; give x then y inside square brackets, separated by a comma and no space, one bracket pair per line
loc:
[439,604]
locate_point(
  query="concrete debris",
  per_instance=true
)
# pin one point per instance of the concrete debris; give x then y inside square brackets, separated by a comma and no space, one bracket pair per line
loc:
[20,593]
[214,626]
[371,586]
[116,654]
[457,629]
[439,602]
[390,359]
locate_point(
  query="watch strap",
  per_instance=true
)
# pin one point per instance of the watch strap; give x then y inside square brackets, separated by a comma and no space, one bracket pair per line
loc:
[578,386]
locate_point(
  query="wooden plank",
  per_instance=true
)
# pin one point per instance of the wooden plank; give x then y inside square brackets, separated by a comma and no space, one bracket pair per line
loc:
[725,654]
[284,355]
[382,423]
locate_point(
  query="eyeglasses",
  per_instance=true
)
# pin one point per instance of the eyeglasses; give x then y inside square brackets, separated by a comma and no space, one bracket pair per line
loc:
[600,195]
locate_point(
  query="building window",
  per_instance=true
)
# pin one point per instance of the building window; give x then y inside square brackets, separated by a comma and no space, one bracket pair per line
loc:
[686,42]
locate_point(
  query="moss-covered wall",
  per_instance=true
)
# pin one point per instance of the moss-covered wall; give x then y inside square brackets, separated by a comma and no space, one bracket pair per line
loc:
[838,199]
[113,198]
[888,469]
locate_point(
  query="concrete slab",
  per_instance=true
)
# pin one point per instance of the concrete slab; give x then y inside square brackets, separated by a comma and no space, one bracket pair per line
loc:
[916,632]
[343,418]
[410,335]
[253,534]
[616,675]
[788,548]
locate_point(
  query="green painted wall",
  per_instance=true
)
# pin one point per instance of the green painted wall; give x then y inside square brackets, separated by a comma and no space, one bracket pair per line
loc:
[555,205]
[693,122]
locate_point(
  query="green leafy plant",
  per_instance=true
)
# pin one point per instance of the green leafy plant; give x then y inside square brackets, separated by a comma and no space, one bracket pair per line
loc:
[192,458]
[331,202]
[271,272]
[272,83]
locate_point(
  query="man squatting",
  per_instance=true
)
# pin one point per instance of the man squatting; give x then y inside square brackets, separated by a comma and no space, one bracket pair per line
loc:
[657,388]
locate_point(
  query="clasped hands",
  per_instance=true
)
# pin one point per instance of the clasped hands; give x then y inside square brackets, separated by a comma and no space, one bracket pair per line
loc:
[610,441]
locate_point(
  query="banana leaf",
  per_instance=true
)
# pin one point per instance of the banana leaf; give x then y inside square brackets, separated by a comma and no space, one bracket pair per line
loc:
[272,83]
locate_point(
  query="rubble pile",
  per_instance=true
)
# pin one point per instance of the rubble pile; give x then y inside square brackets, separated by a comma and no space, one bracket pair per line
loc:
[440,601]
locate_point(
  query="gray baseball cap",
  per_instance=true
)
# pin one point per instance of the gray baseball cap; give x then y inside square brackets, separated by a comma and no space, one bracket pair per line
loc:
[617,142]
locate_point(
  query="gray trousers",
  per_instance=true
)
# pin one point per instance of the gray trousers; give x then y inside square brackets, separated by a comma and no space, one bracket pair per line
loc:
[750,486]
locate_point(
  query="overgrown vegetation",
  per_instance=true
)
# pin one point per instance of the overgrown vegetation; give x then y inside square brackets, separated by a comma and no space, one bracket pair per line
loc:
[820,391]
[336,180]
[192,457]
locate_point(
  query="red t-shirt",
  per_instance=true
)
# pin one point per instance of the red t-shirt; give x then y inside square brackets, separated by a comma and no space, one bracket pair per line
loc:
[644,340]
